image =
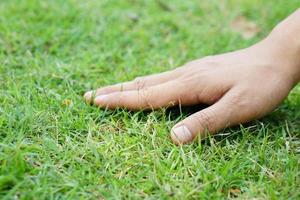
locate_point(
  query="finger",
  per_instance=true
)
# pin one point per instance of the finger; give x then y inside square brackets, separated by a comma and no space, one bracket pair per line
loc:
[216,117]
[153,97]
[136,84]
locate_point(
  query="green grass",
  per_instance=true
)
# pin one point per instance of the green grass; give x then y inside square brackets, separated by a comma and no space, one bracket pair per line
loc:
[54,146]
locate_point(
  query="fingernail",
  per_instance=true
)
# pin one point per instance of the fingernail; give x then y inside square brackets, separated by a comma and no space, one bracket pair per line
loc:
[100,98]
[182,134]
[88,94]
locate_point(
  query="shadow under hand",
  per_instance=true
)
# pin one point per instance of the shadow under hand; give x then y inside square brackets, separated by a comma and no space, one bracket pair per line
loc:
[183,111]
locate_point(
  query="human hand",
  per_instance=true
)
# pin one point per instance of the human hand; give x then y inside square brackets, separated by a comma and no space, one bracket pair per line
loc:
[239,87]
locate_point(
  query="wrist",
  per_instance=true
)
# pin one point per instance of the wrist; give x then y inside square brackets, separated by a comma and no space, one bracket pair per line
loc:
[284,56]
[284,41]
[283,51]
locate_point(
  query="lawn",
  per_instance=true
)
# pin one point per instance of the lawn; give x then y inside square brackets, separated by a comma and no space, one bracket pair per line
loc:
[54,146]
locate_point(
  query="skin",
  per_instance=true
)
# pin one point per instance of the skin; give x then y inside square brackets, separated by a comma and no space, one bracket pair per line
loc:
[239,86]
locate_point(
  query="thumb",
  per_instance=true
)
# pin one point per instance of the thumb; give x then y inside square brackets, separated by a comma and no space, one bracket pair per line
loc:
[216,117]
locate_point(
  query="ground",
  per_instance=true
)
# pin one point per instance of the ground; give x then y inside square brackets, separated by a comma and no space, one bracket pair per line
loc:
[54,146]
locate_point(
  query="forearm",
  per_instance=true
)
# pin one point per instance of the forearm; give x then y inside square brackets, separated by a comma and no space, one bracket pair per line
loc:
[286,38]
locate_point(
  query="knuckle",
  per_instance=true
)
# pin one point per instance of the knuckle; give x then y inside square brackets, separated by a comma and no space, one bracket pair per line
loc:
[242,105]
[206,120]
[246,105]
[148,97]
[139,82]
[239,99]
